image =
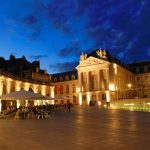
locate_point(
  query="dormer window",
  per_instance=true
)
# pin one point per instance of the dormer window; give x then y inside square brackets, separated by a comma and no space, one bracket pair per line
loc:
[67,78]
[61,78]
[73,77]
[55,79]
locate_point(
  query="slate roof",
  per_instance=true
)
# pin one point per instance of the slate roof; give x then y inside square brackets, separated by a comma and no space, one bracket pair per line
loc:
[63,75]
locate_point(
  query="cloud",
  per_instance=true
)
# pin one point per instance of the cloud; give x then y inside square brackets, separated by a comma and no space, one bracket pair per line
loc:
[62,67]
[59,13]
[38,57]
[30,20]
[122,28]
[73,49]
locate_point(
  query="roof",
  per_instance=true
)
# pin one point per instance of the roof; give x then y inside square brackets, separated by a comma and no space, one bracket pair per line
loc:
[63,75]
[111,59]
[140,67]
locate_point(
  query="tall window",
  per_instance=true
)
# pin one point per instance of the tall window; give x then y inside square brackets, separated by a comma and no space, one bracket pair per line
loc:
[83,81]
[67,78]
[73,77]
[73,88]
[61,78]
[55,89]
[61,89]
[55,79]
[67,88]
[74,100]
[93,80]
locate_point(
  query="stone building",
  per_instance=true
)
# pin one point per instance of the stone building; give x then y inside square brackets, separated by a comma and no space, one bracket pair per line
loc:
[30,78]
[66,84]
[101,78]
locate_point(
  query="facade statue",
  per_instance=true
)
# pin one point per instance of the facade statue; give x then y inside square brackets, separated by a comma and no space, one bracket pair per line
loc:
[83,56]
[101,53]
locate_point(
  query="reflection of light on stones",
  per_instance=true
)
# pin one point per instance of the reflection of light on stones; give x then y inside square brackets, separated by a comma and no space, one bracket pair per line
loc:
[79,119]
[80,116]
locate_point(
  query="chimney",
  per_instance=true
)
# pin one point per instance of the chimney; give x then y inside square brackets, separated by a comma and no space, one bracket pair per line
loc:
[45,71]
[37,69]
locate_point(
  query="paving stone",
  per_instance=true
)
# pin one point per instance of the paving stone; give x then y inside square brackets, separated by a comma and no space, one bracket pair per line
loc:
[81,129]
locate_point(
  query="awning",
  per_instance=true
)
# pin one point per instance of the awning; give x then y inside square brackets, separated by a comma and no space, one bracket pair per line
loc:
[25,95]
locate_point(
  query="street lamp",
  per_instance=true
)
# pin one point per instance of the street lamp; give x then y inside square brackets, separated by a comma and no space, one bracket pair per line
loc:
[129,87]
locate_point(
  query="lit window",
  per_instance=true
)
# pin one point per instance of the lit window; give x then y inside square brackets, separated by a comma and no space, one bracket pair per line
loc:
[55,79]
[61,89]
[67,88]
[61,78]
[55,89]
[73,88]
[67,78]
[73,77]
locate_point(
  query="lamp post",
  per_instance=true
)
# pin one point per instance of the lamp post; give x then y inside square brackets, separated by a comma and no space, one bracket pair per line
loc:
[129,87]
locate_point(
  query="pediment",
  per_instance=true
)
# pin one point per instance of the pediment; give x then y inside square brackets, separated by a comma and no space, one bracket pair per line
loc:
[91,61]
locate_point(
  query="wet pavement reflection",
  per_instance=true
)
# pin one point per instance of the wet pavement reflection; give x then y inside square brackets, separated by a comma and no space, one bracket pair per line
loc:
[82,128]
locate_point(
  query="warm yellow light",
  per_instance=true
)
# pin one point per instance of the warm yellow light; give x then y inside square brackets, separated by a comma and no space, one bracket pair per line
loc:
[99,103]
[105,105]
[52,102]
[26,103]
[111,87]
[38,102]
[107,96]
[148,103]
[35,88]
[129,104]
[1,88]
[82,88]
[8,86]
[18,103]
[129,85]
[80,99]
[88,98]
[11,103]
[52,91]
[78,89]
[35,104]
[26,86]
[0,106]
[44,102]
[43,90]
[115,68]
[1,77]
[18,87]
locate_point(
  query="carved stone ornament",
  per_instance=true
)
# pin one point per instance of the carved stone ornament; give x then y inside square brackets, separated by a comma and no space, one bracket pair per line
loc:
[101,53]
[83,57]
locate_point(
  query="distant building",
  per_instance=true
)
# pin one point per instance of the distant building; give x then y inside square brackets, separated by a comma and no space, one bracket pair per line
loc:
[22,68]
[20,74]
[66,84]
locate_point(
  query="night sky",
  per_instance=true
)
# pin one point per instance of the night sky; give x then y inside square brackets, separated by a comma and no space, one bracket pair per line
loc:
[57,31]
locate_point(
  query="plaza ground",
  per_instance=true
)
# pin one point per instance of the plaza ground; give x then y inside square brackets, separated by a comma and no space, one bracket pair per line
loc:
[81,129]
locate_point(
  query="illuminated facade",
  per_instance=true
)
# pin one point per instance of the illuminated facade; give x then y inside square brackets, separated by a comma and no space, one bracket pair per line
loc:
[66,85]
[99,79]
[11,83]
[102,79]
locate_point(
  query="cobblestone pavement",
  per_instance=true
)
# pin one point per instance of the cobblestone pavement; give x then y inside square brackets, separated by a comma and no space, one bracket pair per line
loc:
[81,129]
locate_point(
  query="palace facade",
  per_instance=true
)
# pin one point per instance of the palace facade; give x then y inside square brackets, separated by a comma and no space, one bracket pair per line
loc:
[100,79]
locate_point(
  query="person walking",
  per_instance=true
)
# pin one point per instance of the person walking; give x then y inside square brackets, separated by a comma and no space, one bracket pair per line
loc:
[69,107]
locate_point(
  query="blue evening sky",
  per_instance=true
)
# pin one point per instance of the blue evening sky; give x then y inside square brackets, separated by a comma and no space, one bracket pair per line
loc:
[57,31]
